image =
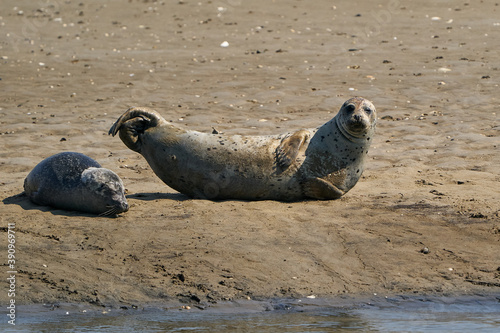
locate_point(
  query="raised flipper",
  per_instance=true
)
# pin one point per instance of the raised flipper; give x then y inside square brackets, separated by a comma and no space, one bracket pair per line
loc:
[318,188]
[133,123]
[289,148]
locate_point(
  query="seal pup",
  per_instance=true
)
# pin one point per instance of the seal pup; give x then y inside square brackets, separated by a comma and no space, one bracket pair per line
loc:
[73,181]
[320,163]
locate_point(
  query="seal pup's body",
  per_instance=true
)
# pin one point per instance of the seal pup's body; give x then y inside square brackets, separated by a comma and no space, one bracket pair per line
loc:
[321,163]
[73,181]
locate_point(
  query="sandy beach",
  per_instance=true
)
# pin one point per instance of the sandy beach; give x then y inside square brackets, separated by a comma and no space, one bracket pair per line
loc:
[423,219]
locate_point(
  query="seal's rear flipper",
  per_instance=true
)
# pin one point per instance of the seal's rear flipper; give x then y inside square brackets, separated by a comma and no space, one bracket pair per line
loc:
[318,188]
[133,123]
[289,148]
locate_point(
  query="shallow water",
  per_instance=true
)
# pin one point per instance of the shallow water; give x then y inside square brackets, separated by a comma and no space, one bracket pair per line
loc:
[385,315]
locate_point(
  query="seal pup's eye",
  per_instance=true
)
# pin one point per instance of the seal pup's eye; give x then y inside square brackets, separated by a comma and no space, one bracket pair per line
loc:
[368,110]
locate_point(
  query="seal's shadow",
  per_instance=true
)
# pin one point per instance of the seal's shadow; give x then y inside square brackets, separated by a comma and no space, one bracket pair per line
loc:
[24,202]
[157,196]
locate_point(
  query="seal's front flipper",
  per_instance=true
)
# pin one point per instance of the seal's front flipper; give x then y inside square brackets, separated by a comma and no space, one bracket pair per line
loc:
[318,188]
[289,148]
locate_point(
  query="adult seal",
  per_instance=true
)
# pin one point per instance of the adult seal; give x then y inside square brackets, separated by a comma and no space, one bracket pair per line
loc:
[320,163]
[73,181]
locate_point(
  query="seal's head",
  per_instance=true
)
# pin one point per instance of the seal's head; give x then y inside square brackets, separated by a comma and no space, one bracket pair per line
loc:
[107,193]
[357,118]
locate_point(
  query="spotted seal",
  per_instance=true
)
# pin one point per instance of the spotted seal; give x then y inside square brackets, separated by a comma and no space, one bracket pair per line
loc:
[320,163]
[73,181]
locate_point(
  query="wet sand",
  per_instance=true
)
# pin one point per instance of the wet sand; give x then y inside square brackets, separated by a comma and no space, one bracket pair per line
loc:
[69,69]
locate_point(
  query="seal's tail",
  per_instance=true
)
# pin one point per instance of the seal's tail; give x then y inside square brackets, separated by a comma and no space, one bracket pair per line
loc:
[133,123]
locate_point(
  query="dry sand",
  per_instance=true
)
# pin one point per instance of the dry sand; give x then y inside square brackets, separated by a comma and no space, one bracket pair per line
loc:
[70,68]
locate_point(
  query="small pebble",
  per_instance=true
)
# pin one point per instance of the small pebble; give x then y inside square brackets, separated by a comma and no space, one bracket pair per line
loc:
[224,44]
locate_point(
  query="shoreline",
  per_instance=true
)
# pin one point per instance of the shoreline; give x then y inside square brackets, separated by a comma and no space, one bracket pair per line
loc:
[245,306]
[394,313]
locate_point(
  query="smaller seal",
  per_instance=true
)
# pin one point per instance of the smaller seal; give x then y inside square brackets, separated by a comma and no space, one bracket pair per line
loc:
[73,181]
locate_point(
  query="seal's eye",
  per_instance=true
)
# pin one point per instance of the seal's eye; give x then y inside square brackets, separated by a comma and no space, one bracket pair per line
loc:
[350,108]
[368,110]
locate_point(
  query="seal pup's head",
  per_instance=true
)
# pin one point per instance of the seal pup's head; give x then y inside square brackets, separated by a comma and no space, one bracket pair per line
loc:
[106,193]
[357,118]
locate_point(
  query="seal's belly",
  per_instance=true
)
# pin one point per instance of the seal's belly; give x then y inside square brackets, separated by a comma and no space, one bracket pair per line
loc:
[222,167]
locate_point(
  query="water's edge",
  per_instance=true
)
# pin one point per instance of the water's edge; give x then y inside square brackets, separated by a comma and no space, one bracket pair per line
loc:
[244,306]
[408,313]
